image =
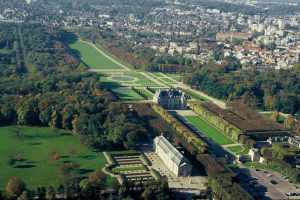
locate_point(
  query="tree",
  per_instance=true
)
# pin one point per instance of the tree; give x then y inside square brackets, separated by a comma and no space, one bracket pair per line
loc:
[50,194]
[115,184]
[66,168]
[275,116]
[97,179]
[24,196]
[14,188]
[56,157]
[289,122]
[41,192]
[60,190]
[10,159]
[16,130]
[18,158]
[72,151]
[52,152]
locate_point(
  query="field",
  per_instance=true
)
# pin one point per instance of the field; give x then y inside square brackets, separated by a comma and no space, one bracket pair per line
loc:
[173,74]
[157,74]
[121,169]
[4,51]
[168,80]
[200,97]
[281,118]
[36,149]
[235,148]
[91,57]
[127,95]
[209,130]
[145,92]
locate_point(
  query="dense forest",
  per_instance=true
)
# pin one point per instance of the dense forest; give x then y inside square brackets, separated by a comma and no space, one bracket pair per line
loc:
[278,90]
[42,85]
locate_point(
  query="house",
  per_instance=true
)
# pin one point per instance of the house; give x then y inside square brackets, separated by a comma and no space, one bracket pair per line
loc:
[171,99]
[171,157]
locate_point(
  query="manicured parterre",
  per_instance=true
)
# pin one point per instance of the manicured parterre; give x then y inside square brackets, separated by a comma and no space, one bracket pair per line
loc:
[235,148]
[91,57]
[131,95]
[209,130]
[121,169]
[35,152]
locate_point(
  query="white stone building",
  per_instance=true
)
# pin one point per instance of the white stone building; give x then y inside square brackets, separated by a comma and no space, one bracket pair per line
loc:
[171,157]
[171,99]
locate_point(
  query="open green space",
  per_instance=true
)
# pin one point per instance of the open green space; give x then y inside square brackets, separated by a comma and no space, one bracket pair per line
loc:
[123,152]
[235,148]
[176,78]
[200,97]
[145,92]
[157,74]
[35,152]
[112,56]
[129,95]
[232,166]
[190,129]
[168,80]
[244,152]
[3,51]
[173,74]
[91,57]
[209,130]
[281,118]
[121,169]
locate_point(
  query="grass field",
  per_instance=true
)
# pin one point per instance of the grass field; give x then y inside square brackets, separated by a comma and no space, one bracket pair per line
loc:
[176,78]
[157,74]
[4,51]
[36,149]
[121,169]
[235,148]
[131,95]
[260,166]
[200,97]
[281,118]
[91,57]
[244,152]
[209,130]
[123,152]
[168,80]
[173,74]
[145,92]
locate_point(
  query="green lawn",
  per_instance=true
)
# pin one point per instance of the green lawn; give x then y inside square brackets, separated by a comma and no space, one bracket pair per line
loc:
[200,97]
[145,92]
[244,152]
[123,152]
[130,95]
[235,148]
[36,149]
[209,130]
[157,75]
[91,57]
[176,78]
[281,118]
[112,56]
[232,166]
[3,51]
[173,74]
[121,169]
[260,166]
[168,80]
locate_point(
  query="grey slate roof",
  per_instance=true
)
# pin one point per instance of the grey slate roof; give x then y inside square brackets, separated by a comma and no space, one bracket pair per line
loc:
[173,153]
[169,93]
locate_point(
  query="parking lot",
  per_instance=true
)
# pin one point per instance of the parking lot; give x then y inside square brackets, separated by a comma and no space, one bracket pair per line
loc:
[258,184]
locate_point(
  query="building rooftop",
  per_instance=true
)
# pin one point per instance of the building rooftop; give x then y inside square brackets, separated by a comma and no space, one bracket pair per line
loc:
[173,153]
[169,93]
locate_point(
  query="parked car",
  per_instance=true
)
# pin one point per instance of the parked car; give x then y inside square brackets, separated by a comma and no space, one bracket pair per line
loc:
[270,175]
[285,177]
[265,172]
[287,194]
[256,169]
[296,187]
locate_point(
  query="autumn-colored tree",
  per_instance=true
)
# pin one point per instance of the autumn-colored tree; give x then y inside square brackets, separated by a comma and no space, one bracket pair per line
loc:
[66,168]
[24,196]
[72,151]
[10,159]
[14,188]
[289,122]
[50,194]
[97,179]
[275,116]
[52,152]
[56,157]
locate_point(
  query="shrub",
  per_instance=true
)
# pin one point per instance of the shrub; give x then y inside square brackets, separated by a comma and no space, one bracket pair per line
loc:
[52,152]
[56,157]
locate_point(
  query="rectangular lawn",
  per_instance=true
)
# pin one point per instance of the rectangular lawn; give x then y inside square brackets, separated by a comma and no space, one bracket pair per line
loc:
[168,80]
[129,95]
[235,148]
[199,96]
[121,169]
[145,92]
[91,57]
[281,118]
[209,130]
[37,167]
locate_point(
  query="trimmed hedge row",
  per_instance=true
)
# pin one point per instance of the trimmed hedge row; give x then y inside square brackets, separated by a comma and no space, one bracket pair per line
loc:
[156,174]
[180,129]
[230,130]
[146,167]
[146,159]
[111,159]
[122,177]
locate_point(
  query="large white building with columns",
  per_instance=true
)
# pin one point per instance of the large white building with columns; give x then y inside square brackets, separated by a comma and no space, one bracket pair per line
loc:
[171,157]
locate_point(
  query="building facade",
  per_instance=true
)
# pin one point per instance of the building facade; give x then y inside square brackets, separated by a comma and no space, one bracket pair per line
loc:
[171,99]
[171,157]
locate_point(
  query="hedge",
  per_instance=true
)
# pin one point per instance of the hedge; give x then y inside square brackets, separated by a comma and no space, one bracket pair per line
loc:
[122,177]
[146,167]
[156,174]
[230,130]
[111,159]
[146,159]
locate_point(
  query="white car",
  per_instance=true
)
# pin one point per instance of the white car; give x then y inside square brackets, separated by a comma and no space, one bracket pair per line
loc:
[270,175]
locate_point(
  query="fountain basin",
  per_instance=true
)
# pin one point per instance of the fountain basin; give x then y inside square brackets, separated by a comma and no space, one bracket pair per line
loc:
[119,78]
